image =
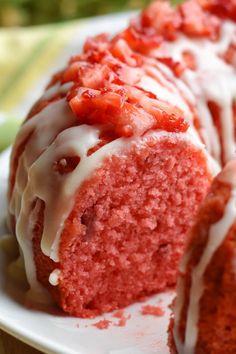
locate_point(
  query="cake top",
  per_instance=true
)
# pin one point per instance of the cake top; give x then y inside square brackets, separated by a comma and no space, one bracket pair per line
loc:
[105,88]
[194,18]
[114,84]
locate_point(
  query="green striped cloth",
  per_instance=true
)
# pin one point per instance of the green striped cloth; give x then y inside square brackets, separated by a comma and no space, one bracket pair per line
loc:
[29,56]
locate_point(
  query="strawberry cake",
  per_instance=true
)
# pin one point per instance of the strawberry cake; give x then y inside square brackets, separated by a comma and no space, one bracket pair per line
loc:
[111,164]
[205,310]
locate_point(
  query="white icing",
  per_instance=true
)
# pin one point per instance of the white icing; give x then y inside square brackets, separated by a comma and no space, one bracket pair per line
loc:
[212,80]
[216,237]
[213,165]
[43,128]
[184,89]
[54,277]
[75,141]
[164,89]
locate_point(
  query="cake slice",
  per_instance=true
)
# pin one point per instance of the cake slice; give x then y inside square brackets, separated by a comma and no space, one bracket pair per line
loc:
[204,318]
[107,173]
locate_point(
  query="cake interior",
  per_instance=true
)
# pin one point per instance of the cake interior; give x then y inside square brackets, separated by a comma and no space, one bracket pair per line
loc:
[126,233]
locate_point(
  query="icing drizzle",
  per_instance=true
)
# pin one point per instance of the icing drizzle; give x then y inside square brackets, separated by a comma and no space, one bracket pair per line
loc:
[211,80]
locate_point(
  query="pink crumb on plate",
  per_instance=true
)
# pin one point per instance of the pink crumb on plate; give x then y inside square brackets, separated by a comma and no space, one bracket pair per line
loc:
[103,324]
[118,314]
[123,320]
[152,310]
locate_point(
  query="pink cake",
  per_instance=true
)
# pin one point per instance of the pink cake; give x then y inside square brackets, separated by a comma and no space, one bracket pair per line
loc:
[112,163]
[205,312]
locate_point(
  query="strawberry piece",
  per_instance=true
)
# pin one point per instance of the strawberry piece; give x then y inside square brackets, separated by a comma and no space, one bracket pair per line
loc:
[196,22]
[220,8]
[93,107]
[123,52]
[141,39]
[230,55]
[106,92]
[163,18]
[189,60]
[93,76]
[105,79]
[162,22]
[97,43]
[127,119]
[71,73]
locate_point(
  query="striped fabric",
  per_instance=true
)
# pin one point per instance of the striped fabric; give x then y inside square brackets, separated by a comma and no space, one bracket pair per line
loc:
[29,56]
[26,54]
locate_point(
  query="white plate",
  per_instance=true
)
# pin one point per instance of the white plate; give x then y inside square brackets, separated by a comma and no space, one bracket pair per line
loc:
[57,333]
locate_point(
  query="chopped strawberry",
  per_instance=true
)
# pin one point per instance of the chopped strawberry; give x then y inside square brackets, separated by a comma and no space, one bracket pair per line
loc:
[221,8]
[106,92]
[141,39]
[109,107]
[122,51]
[189,59]
[196,22]
[71,73]
[99,42]
[129,75]
[88,101]
[163,18]
[230,55]
[133,121]
[127,119]
[106,77]
[93,76]
[161,22]
[157,22]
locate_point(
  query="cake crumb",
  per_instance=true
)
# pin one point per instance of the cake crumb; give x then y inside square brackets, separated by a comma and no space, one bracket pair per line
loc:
[118,314]
[152,310]
[122,318]
[103,324]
